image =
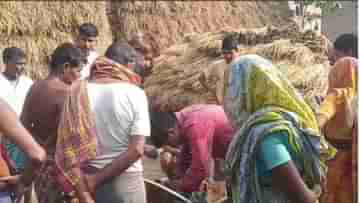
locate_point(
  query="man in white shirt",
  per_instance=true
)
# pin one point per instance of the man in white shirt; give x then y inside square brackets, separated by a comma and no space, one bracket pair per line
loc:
[122,121]
[86,41]
[14,88]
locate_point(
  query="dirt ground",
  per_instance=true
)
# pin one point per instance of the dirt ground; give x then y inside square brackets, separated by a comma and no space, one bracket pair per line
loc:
[152,169]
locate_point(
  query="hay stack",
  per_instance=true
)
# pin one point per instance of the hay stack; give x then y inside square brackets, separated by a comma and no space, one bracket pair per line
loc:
[270,33]
[175,81]
[38,27]
[166,22]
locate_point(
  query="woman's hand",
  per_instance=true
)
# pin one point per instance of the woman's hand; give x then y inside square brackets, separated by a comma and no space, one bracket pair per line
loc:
[321,119]
[15,183]
[286,178]
[11,180]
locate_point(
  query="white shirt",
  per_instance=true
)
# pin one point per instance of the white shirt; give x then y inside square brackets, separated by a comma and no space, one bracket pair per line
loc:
[121,111]
[85,72]
[14,92]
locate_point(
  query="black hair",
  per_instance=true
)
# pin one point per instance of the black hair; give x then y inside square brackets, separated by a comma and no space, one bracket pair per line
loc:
[12,53]
[65,53]
[161,122]
[230,42]
[121,52]
[346,42]
[88,30]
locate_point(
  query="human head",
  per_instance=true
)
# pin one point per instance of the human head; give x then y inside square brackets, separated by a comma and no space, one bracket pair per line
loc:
[144,61]
[137,41]
[149,63]
[66,62]
[15,60]
[230,48]
[344,45]
[164,129]
[87,37]
[122,53]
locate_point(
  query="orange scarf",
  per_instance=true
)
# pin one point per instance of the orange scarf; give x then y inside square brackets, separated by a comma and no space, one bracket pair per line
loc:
[107,68]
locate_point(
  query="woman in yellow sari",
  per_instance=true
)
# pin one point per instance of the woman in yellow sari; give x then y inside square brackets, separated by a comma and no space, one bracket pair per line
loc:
[337,118]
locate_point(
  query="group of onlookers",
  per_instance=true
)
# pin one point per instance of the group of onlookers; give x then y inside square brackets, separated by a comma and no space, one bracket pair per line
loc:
[88,103]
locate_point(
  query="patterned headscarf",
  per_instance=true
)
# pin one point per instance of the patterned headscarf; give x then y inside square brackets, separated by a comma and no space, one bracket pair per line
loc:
[254,83]
[260,101]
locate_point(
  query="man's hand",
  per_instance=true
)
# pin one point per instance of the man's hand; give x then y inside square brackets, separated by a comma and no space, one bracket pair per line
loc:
[171,150]
[85,197]
[91,183]
[151,151]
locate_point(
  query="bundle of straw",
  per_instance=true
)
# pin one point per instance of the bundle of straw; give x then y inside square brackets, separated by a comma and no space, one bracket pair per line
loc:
[167,22]
[176,80]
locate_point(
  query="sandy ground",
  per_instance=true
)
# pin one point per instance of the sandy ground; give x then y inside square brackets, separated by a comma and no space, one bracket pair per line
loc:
[152,169]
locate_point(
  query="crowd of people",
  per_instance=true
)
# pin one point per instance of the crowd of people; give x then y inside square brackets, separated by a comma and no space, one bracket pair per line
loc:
[279,148]
[79,134]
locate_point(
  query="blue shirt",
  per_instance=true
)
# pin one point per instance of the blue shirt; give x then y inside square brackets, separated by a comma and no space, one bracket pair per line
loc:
[17,155]
[275,150]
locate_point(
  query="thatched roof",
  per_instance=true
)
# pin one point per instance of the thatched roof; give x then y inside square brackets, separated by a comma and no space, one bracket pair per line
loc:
[39,26]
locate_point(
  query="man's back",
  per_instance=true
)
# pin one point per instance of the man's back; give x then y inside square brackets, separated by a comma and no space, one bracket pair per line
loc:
[207,134]
[120,111]
[203,112]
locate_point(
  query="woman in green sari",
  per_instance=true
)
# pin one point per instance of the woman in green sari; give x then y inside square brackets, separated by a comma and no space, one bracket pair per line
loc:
[275,154]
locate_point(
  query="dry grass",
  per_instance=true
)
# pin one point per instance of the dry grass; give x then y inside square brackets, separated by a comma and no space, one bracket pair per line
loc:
[39,26]
[167,22]
[175,81]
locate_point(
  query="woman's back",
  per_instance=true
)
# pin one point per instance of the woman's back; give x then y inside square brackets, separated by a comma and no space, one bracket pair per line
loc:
[42,110]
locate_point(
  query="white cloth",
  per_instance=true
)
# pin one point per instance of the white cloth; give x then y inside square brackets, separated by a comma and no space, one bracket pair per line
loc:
[120,110]
[14,92]
[85,72]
